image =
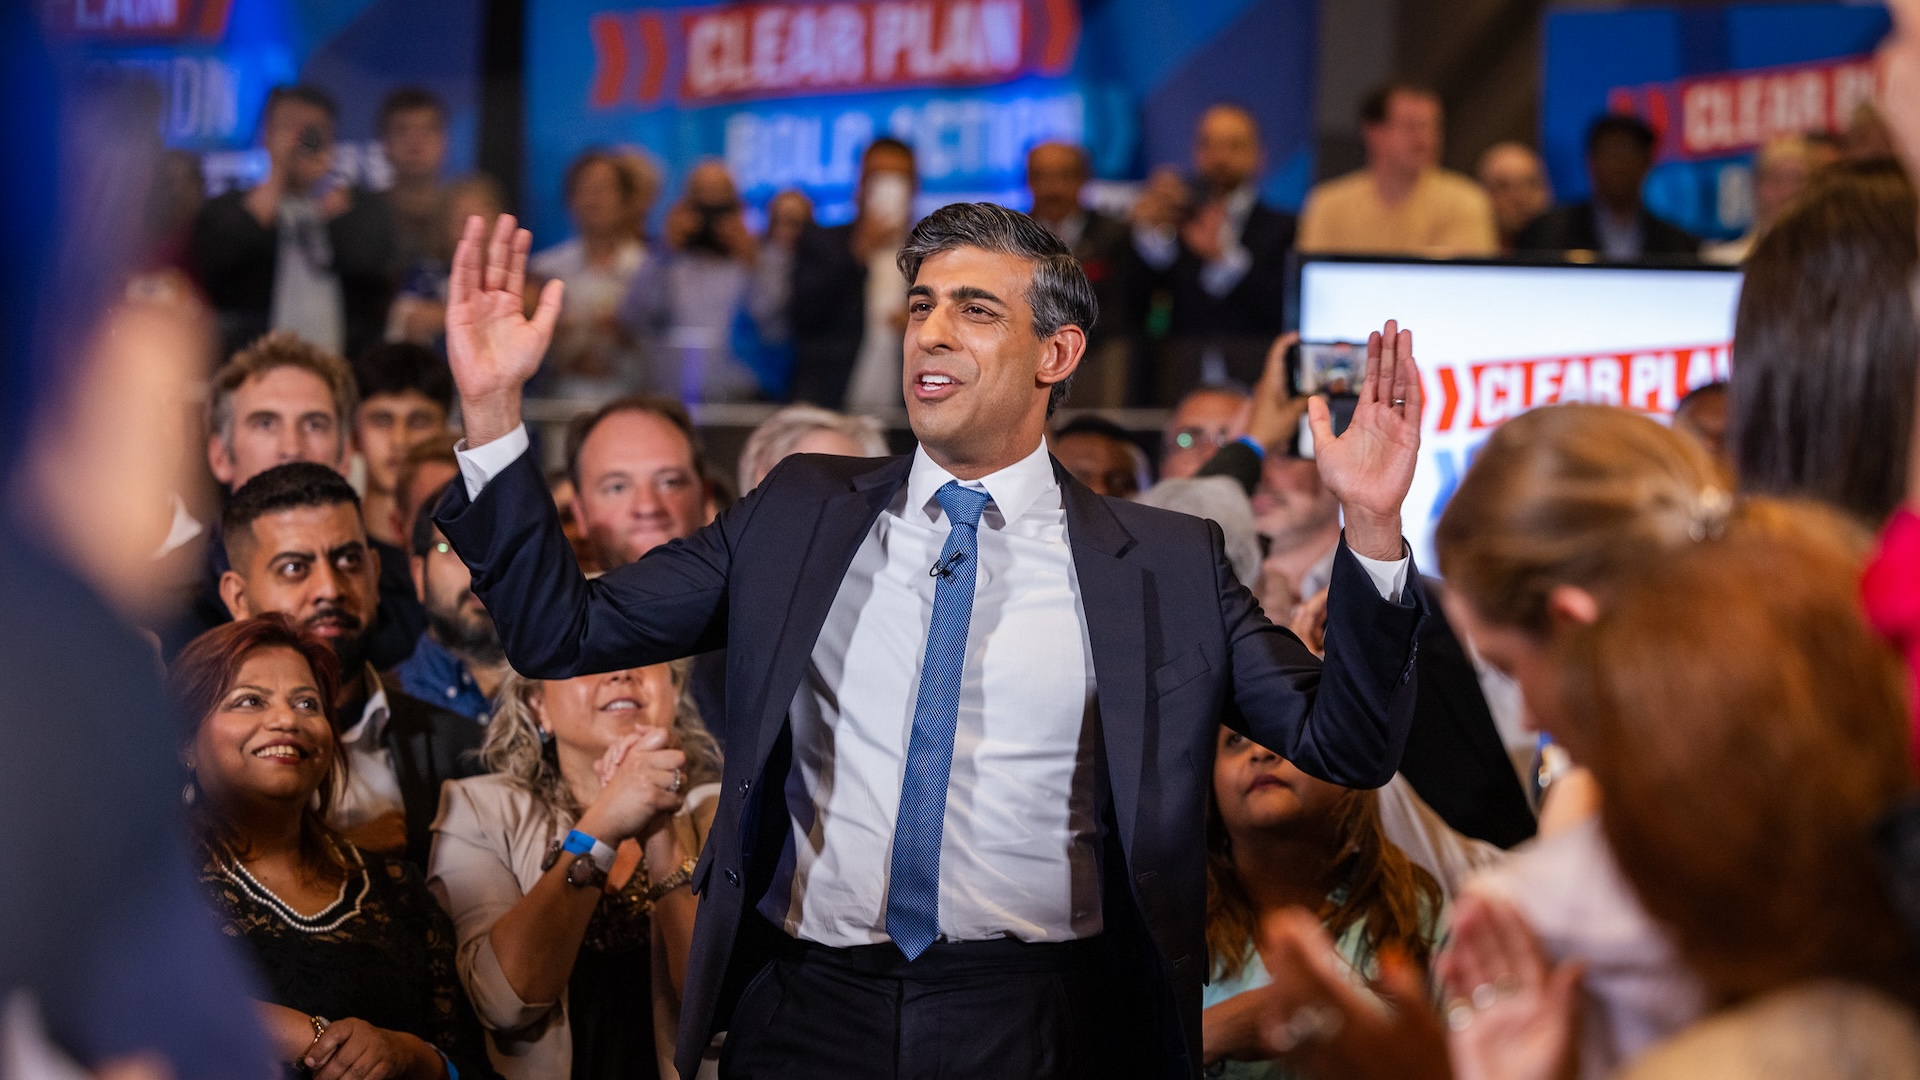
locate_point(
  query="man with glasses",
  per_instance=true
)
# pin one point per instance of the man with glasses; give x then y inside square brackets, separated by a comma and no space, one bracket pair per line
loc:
[1204,421]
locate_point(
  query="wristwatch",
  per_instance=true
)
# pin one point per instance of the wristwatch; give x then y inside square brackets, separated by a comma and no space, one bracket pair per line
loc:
[592,859]
[672,881]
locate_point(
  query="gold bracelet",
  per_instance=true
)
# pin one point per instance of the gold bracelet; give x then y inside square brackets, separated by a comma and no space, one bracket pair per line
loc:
[672,881]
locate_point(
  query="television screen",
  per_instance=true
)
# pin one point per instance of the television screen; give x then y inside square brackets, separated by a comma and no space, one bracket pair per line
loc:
[1496,339]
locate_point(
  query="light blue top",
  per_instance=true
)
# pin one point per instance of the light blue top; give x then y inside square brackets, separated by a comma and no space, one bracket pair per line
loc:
[1360,965]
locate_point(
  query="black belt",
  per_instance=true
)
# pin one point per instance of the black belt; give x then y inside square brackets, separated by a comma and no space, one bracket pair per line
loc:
[945,959]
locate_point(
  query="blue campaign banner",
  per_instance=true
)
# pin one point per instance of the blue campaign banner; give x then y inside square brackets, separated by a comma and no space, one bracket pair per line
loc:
[788,92]
[1714,82]
[215,60]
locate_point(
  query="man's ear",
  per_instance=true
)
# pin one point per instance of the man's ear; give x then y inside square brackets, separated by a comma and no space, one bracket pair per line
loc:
[1060,355]
[419,566]
[1571,605]
[220,461]
[233,592]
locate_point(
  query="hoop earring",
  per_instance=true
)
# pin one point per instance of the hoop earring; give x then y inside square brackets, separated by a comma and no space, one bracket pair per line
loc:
[187,794]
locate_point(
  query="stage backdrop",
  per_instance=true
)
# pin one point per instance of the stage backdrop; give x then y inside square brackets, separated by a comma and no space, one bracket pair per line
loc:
[215,60]
[1715,82]
[789,92]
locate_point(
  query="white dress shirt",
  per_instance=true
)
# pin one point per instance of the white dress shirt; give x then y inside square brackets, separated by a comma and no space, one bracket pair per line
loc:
[1017,848]
[1017,853]
[370,788]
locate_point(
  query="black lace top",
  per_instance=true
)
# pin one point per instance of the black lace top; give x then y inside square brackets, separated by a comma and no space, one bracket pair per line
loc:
[382,953]
[610,995]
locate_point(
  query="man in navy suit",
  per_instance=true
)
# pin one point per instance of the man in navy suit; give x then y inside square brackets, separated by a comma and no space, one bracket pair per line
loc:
[971,705]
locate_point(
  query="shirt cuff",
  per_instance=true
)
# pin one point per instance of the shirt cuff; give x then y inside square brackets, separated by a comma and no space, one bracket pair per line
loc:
[1388,577]
[480,465]
[1221,275]
[1157,247]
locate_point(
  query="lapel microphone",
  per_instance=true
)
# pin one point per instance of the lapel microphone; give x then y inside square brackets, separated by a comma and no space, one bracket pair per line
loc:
[944,569]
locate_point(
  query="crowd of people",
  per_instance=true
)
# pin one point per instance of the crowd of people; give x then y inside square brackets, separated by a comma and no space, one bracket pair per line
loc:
[689,302]
[647,764]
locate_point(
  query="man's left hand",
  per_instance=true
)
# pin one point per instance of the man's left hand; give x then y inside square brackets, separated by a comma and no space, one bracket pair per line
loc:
[1369,467]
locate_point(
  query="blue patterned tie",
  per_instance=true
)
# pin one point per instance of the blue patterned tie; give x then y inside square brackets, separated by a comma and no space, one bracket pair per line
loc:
[913,890]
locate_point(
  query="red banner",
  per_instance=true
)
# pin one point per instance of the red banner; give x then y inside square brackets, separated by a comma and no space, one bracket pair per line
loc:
[767,50]
[1716,116]
[133,20]
[1477,396]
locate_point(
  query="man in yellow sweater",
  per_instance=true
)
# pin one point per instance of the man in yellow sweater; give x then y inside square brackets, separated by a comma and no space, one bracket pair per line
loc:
[1402,202]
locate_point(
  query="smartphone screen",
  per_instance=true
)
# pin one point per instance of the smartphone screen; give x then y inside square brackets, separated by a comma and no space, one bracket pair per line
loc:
[1332,369]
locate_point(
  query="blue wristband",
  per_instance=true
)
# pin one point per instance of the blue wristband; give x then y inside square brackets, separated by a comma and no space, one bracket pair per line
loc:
[578,843]
[1253,444]
[453,1073]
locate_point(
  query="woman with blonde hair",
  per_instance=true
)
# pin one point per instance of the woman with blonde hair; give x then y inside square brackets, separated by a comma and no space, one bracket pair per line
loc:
[566,870]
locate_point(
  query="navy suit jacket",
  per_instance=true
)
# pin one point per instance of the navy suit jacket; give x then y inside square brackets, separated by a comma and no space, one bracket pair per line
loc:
[1179,647]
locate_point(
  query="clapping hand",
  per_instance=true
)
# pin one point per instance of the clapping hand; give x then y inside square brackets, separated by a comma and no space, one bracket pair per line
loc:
[643,777]
[1370,466]
[492,346]
[1512,1014]
[1317,1016]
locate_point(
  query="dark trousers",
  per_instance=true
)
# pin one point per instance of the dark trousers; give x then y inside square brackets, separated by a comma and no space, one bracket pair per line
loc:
[990,1009]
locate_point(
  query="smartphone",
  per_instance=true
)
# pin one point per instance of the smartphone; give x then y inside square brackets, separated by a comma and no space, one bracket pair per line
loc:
[1332,369]
[1342,409]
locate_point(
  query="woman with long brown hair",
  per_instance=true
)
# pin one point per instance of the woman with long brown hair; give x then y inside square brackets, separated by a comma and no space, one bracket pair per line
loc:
[1749,733]
[1277,839]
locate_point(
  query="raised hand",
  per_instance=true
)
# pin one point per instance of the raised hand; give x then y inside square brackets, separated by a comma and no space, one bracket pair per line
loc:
[492,346]
[1370,466]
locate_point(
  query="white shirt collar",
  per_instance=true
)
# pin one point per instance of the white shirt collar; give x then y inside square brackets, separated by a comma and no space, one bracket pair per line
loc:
[1013,489]
[1240,204]
[373,716]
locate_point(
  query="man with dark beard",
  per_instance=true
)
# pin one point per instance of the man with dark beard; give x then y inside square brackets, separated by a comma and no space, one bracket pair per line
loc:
[297,545]
[458,662]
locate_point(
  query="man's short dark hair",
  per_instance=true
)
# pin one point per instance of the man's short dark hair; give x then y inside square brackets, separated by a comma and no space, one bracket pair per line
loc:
[1059,292]
[1093,424]
[410,99]
[888,142]
[395,367]
[1373,107]
[599,155]
[284,487]
[1622,126]
[424,528]
[665,408]
[305,95]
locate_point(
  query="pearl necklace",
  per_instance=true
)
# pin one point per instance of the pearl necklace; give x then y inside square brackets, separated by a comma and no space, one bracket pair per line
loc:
[244,880]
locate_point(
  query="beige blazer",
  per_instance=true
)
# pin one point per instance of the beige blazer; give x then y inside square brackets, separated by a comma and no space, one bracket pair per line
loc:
[488,842]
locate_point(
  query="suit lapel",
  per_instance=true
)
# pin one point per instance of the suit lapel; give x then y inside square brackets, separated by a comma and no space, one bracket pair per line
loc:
[1112,592]
[836,535]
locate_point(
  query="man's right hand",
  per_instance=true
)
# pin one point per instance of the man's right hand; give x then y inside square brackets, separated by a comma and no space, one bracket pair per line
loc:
[492,346]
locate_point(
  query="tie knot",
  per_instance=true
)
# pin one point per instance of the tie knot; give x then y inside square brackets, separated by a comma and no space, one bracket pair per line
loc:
[963,505]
